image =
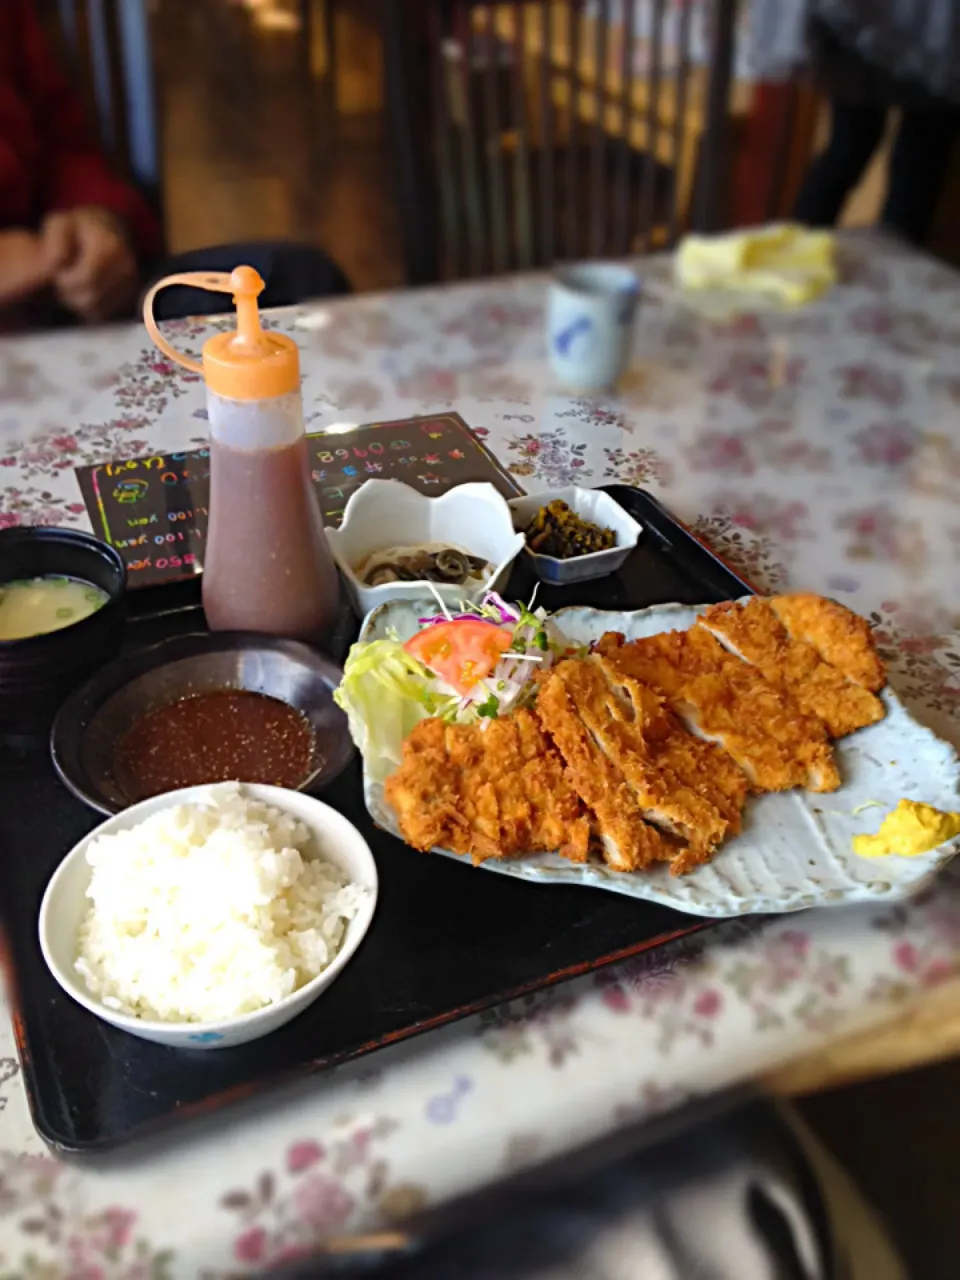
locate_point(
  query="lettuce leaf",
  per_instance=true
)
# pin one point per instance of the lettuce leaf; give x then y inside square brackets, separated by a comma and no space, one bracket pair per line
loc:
[385,692]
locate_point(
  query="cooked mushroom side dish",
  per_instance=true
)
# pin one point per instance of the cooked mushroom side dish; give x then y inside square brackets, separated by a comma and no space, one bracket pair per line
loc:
[429,562]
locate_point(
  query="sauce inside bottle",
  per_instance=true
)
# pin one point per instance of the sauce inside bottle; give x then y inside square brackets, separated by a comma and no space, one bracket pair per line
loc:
[267,566]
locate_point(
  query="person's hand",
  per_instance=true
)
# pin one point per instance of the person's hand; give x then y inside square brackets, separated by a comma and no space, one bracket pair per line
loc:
[24,266]
[93,267]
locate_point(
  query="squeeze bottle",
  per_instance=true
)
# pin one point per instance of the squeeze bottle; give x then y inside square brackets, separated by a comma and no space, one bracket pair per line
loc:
[267,566]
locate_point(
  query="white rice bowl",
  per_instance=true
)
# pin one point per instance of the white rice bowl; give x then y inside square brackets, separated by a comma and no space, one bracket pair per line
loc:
[208,906]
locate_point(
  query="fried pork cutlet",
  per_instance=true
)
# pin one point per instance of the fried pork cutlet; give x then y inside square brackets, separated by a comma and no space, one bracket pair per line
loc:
[488,790]
[628,842]
[643,740]
[493,815]
[693,762]
[425,791]
[753,632]
[841,638]
[775,743]
[559,820]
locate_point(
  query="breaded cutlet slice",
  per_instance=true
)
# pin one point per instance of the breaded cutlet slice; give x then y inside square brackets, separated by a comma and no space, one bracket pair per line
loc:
[499,767]
[558,819]
[841,637]
[695,762]
[488,790]
[654,792]
[424,792]
[539,811]
[752,631]
[663,798]
[789,742]
[628,842]
[774,742]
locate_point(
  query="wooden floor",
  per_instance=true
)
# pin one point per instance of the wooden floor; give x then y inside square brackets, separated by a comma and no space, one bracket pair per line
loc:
[262,141]
[254,151]
[252,147]
[899,1139]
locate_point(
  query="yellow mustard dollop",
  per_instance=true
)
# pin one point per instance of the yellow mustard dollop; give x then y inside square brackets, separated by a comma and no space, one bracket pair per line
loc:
[908,830]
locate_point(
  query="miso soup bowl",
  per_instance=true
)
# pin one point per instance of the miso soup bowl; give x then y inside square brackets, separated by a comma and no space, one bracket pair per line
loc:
[65,903]
[37,672]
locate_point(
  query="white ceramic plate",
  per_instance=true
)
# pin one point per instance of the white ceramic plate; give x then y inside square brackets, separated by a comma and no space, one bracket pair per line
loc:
[794,851]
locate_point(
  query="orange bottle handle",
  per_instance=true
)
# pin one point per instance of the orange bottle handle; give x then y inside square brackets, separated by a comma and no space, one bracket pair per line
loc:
[241,283]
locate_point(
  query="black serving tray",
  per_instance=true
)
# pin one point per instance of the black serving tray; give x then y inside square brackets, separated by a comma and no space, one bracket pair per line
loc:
[447,939]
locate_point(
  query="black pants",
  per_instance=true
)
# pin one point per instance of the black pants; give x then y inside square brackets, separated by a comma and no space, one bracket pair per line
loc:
[292,273]
[918,167]
[747,1176]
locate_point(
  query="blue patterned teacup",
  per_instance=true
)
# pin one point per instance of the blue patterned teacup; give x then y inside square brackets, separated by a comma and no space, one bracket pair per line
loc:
[590,312]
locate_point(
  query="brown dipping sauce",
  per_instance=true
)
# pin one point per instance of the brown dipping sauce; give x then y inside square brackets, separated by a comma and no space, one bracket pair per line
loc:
[224,736]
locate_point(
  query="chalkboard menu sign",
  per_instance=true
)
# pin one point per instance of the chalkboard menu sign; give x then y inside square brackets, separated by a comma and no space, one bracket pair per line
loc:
[154,510]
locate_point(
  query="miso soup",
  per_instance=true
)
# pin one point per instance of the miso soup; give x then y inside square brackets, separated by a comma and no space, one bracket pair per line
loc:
[36,606]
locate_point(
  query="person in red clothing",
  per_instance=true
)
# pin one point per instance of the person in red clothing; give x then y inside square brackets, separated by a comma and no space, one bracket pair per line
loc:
[71,233]
[75,241]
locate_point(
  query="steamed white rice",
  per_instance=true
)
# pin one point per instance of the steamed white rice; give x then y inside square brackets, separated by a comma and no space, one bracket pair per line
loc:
[205,911]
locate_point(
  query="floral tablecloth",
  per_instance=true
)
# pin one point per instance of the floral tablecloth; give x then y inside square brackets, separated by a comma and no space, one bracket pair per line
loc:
[819,448]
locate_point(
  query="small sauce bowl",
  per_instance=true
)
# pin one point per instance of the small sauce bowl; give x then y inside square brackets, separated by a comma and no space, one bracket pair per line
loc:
[94,720]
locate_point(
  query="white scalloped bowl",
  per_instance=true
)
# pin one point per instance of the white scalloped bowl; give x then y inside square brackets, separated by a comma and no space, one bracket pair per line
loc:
[388,513]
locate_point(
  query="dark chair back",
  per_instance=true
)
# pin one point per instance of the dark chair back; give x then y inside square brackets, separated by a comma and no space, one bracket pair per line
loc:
[107,47]
[527,133]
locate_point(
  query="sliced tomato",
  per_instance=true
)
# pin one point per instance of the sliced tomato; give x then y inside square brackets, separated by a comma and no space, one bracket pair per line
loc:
[460,652]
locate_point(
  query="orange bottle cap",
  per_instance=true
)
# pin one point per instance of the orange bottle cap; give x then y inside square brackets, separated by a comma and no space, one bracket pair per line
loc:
[248,363]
